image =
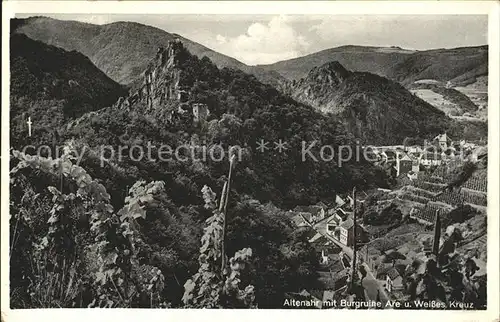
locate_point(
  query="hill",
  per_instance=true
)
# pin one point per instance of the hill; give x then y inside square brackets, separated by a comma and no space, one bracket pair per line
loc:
[373,108]
[51,85]
[180,93]
[357,58]
[121,49]
[198,112]
[459,65]
[448,100]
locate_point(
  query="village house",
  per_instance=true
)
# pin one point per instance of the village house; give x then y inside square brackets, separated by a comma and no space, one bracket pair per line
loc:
[394,281]
[415,166]
[347,233]
[381,270]
[390,275]
[390,169]
[443,141]
[332,224]
[369,255]
[414,149]
[403,164]
[329,225]
[327,250]
[345,260]
[430,159]
[318,213]
[298,219]
[312,213]
[311,235]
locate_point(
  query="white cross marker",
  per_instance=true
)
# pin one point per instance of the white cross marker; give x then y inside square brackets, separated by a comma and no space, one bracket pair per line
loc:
[29,125]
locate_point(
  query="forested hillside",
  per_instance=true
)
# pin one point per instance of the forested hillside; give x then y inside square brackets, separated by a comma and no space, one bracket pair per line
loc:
[52,86]
[121,49]
[131,231]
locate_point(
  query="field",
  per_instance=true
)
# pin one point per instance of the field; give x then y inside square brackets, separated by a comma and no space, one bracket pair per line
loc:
[438,101]
[477,92]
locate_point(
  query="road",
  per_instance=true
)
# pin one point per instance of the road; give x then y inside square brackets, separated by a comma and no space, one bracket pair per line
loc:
[371,286]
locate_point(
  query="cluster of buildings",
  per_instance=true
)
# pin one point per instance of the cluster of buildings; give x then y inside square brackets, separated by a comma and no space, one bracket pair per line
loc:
[334,222]
[408,161]
[330,230]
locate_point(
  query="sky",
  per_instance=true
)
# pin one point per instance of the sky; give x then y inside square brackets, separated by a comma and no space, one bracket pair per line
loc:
[265,39]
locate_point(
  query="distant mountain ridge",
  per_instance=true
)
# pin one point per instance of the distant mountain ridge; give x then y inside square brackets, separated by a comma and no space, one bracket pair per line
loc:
[371,107]
[121,49]
[460,65]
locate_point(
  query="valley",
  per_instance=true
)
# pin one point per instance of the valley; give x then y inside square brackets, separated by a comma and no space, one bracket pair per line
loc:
[100,219]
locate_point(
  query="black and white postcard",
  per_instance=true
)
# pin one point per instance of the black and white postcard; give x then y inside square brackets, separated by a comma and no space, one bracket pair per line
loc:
[221,155]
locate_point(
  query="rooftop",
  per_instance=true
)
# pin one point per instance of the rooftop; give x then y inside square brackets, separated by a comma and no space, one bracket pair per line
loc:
[390,154]
[298,220]
[393,273]
[428,214]
[347,224]
[431,156]
[382,270]
[405,158]
[443,138]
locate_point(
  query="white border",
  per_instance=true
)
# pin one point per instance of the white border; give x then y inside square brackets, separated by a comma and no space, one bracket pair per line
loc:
[491,8]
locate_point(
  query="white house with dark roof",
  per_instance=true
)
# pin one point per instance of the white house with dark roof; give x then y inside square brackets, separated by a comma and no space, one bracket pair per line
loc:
[330,224]
[394,281]
[346,231]
[346,234]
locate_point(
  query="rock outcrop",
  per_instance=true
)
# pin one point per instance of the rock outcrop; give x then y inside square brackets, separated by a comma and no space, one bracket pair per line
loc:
[164,91]
[373,108]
